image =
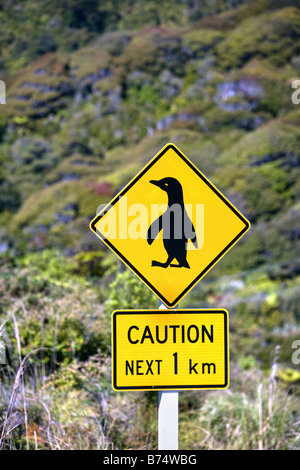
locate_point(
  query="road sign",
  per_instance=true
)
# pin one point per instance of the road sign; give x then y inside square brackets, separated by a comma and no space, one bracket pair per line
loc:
[182,350]
[170,225]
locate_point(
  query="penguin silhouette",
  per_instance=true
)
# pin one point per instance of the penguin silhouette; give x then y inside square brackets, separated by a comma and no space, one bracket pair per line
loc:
[175,223]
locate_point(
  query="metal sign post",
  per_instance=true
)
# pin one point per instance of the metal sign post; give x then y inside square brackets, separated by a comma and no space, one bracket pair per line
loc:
[168,420]
[167,414]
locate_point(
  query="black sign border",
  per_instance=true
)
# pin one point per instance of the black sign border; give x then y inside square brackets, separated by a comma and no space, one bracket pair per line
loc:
[130,265]
[169,387]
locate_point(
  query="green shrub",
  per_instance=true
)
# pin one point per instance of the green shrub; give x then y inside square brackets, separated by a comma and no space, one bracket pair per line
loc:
[247,254]
[273,35]
[200,42]
[129,292]
[132,59]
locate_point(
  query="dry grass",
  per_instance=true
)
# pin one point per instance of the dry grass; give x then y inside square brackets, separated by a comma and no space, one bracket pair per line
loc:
[257,415]
[71,406]
[17,389]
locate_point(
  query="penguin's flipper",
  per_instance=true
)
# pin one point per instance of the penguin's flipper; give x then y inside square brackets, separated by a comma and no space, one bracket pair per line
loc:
[194,240]
[189,230]
[154,229]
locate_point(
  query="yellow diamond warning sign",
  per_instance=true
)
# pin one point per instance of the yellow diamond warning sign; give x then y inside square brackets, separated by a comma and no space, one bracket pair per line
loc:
[170,225]
[182,350]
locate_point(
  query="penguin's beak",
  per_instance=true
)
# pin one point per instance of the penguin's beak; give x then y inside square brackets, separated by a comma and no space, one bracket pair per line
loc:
[157,183]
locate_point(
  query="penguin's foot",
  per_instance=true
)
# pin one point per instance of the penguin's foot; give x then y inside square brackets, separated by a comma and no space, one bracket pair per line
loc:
[161,265]
[180,265]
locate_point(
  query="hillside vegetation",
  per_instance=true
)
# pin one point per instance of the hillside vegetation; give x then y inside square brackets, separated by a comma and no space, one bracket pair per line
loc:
[94,89]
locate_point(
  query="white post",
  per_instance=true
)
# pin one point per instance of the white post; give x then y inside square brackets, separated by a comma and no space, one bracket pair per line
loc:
[168,420]
[167,415]
[2,92]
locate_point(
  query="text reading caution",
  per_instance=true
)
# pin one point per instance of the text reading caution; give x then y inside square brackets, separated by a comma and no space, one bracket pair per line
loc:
[185,349]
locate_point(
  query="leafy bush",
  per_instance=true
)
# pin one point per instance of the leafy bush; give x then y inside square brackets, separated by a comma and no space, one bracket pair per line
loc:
[200,42]
[33,153]
[128,292]
[132,60]
[49,312]
[272,35]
